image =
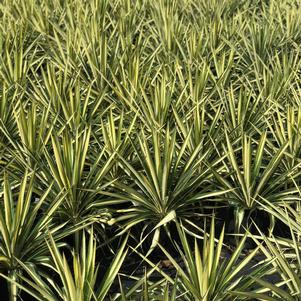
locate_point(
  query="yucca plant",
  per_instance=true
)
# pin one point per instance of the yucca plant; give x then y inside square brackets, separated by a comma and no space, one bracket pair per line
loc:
[203,273]
[24,224]
[77,282]
[244,111]
[207,273]
[254,172]
[82,173]
[166,182]
[116,136]
[283,254]
[25,145]
[286,126]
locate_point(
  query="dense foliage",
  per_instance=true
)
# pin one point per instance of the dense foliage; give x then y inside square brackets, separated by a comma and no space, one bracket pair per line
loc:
[164,135]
